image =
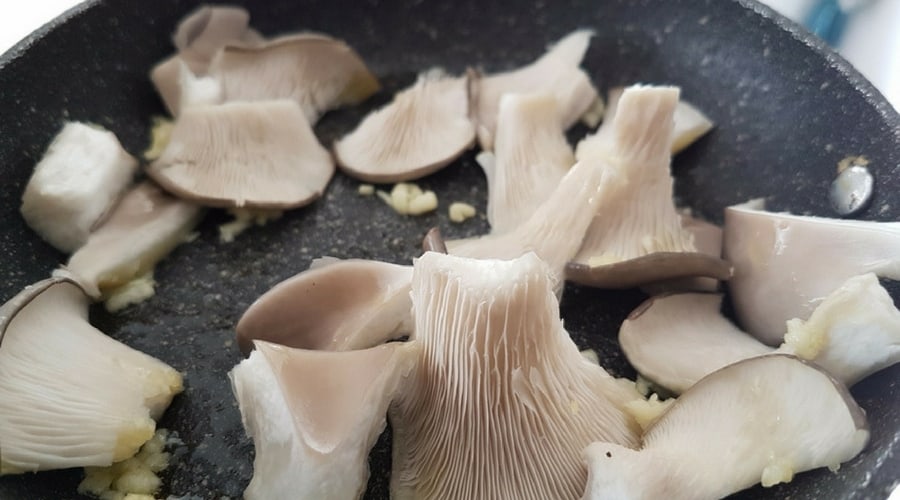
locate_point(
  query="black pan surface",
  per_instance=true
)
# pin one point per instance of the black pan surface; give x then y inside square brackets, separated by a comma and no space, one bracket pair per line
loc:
[787,111]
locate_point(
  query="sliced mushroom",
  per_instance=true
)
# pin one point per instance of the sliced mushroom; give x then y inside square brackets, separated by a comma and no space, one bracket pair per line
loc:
[678,339]
[314,416]
[260,155]
[637,235]
[202,33]
[531,155]
[501,402]
[69,395]
[690,125]
[708,241]
[143,228]
[319,72]
[784,265]
[760,421]
[422,130]
[80,177]
[556,73]
[344,305]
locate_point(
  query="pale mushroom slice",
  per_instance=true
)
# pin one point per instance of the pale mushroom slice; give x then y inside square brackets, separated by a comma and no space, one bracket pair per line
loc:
[313,416]
[80,177]
[344,305]
[760,421]
[501,402]
[678,339]
[784,265]
[141,230]
[205,31]
[531,155]
[179,88]
[255,155]
[422,130]
[319,72]
[637,236]
[69,395]
[556,73]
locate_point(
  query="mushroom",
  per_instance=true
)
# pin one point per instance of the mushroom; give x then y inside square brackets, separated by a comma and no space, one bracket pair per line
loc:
[313,416]
[259,155]
[344,305]
[80,177]
[760,421]
[69,395]
[317,71]
[180,88]
[501,402]
[531,155]
[678,339]
[143,228]
[784,264]
[422,130]
[556,73]
[637,236]
[708,241]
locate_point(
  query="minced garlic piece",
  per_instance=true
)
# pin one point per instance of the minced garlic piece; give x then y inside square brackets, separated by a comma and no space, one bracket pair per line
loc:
[459,211]
[365,190]
[594,114]
[244,218]
[135,291]
[648,411]
[131,479]
[409,199]
[160,133]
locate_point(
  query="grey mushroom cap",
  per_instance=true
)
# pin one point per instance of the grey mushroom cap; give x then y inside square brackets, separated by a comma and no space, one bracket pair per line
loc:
[240,154]
[649,268]
[761,421]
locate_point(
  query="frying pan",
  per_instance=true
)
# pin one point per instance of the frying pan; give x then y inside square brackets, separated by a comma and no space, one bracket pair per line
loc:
[787,111]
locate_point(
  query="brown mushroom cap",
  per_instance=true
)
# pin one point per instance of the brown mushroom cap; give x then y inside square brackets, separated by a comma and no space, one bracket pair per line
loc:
[344,305]
[760,421]
[422,130]
[501,402]
[259,155]
[319,72]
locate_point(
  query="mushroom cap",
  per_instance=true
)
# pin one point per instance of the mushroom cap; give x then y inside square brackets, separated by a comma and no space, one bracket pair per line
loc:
[708,241]
[319,72]
[556,72]
[422,130]
[344,305]
[69,395]
[203,32]
[784,265]
[531,155]
[260,154]
[501,401]
[760,420]
[313,416]
[144,227]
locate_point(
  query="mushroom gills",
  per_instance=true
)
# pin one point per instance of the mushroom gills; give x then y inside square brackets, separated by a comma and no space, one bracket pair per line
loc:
[313,416]
[338,306]
[80,177]
[422,130]
[256,155]
[501,401]
[762,420]
[69,395]
[817,254]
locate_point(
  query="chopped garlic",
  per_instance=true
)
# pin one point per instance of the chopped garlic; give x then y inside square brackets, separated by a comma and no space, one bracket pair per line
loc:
[594,114]
[134,292]
[778,471]
[244,218]
[160,133]
[131,479]
[366,190]
[409,199]
[589,354]
[648,411]
[459,211]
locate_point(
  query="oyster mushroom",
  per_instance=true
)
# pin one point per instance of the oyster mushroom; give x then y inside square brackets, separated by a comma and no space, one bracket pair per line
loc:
[314,416]
[708,241]
[69,395]
[143,228]
[531,155]
[760,421]
[341,306]
[179,88]
[422,130]
[678,339]
[255,155]
[556,73]
[784,265]
[319,72]
[80,177]
[501,402]
[637,236]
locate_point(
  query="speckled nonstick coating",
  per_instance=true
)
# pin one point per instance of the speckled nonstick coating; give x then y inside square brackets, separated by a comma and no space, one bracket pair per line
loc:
[787,111]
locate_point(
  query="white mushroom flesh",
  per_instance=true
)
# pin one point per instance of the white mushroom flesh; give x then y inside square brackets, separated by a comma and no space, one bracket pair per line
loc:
[81,176]
[785,265]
